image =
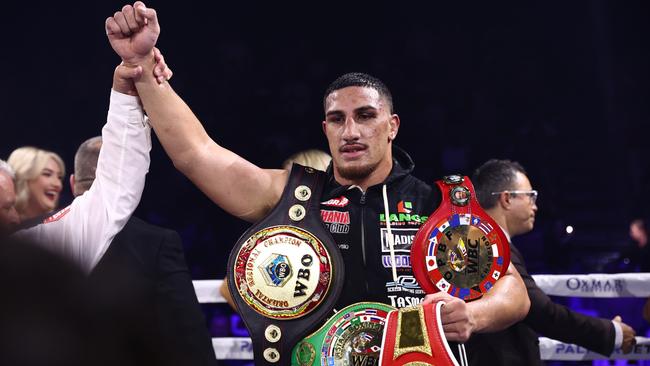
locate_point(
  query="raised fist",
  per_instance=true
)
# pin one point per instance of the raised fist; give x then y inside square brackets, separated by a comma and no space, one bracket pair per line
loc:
[133,32]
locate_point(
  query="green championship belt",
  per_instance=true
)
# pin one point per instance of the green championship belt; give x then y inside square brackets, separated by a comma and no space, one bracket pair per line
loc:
[351,337]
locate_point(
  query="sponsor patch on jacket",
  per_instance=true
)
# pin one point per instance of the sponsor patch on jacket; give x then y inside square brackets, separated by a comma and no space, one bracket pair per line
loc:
[401,261]
[405,284]
[337,202]
[337,222]
[404,216]
[335,217]
[404,207]
[402,240]
[57,216]
[404,301]
[403,219]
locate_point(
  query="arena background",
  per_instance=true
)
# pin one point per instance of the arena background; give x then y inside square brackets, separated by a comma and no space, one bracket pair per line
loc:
[562,87]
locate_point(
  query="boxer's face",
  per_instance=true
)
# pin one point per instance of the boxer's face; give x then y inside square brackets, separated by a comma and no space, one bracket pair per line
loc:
[359,129]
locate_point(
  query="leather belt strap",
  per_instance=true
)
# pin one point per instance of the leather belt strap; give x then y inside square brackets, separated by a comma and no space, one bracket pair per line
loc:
[285,273]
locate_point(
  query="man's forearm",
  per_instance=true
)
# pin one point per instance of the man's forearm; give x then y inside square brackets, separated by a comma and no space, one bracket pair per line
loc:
[178,129]
[233,183]
[221,174]
[505,304]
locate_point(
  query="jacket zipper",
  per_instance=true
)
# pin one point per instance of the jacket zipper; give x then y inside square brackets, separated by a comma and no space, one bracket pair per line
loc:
[362,202]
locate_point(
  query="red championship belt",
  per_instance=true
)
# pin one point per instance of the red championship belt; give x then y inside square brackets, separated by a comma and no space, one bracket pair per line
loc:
[414,336]
[460,249]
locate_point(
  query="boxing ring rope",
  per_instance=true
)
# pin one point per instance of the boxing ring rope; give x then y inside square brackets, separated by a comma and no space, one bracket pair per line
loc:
[596,285]
[590,285]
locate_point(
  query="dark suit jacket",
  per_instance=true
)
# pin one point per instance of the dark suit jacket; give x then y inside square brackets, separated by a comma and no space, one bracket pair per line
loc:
[559,322]
[143,283]
[518,344]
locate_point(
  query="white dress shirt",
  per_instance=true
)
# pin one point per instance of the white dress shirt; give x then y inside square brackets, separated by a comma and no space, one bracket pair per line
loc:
[83,231]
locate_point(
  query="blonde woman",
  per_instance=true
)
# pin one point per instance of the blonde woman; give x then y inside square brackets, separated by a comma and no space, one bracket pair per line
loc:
[39,176]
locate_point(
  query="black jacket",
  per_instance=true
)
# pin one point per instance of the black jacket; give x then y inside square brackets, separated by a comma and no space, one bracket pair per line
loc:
[516,345]
[143,284]
[357,223]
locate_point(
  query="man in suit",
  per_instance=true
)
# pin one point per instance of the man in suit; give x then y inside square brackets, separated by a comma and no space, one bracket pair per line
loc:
[144,284]
[504,191]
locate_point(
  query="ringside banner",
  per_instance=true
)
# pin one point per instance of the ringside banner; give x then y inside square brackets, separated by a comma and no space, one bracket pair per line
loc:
[595,285]
[550,349]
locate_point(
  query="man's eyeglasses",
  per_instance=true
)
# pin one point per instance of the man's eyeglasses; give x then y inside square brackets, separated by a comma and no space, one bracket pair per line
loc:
[532,194]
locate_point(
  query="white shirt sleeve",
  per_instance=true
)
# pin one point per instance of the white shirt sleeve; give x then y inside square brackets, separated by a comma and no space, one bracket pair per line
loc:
[618,335]
[84,230]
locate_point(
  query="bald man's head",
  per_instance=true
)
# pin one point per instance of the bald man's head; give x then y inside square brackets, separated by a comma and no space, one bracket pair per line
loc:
[8,215]
[85,165]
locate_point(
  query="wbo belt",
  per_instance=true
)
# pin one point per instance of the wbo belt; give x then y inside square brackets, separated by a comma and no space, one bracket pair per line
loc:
[285,273]
[414,336]
[350,337]
[460,250]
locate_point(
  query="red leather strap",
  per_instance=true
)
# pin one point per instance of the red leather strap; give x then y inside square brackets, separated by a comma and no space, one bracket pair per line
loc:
[429,347]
